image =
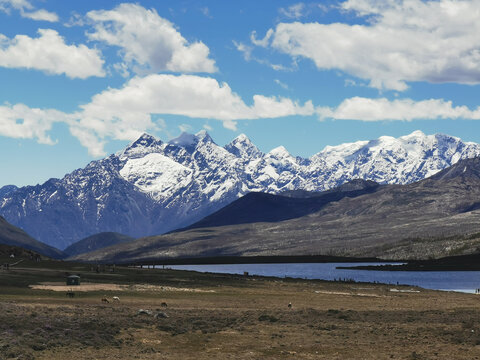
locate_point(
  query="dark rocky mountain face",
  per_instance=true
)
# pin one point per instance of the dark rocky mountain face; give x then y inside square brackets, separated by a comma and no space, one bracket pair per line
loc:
[92,199]
[262,207]
[13,236]
[6,190]
[96,242]
[152,187]
[432,218]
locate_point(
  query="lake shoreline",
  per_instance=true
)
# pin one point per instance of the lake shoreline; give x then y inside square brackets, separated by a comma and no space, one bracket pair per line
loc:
[452,263]
[278,259]
[167,314]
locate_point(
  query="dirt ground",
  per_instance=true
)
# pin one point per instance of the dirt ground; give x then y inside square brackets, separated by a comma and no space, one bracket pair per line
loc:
[211,316]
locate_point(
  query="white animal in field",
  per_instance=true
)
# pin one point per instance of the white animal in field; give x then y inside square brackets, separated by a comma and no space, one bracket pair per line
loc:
[116,298]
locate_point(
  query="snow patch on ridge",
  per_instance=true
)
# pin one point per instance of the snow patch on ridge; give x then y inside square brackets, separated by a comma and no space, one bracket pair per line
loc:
[152,187]
[156,175]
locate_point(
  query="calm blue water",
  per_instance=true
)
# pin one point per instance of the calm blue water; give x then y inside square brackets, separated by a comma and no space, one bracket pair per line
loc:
[464,281]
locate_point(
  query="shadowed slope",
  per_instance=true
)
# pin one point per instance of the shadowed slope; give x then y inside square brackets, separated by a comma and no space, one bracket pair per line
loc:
[95,242]
[261,207]
[11,235]
[435,217]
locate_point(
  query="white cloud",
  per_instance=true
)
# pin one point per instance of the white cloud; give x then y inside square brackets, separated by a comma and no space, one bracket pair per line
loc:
[403,41]
[41,15]
[21,122]
[247,54]
[185,127]
[281,84]
[148,42]
[365,109]
[295,11]
[186,95]
[230,125]
[261,42]
[50,54]
[244,49]
[27,10]
[5,5]
[125,113]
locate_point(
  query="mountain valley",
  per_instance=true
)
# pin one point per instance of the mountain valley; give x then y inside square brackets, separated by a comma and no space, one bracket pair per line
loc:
[153,187]
[432,218]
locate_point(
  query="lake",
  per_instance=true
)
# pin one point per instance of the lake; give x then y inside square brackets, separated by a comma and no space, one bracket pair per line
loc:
[463,281]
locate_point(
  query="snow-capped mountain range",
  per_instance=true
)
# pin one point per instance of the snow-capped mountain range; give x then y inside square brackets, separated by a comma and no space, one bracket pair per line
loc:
[153,186]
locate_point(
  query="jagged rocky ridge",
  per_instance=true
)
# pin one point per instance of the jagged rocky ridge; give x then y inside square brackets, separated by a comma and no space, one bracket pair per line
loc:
[432,218]
[152,186]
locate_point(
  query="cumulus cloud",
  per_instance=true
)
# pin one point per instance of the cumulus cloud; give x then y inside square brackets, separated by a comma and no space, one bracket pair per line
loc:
[50,54]
[365,109]
[27,10]
[148,42]
[402,41]
[187,95]
[21,122]
[126,112]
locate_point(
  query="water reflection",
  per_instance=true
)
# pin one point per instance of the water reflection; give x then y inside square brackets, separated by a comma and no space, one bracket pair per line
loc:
[464,281]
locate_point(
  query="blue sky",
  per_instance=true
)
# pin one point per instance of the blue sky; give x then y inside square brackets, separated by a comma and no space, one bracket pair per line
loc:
[81,79]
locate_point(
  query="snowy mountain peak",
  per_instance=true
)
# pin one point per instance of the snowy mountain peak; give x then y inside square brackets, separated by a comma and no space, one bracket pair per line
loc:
[242,138]
[417,137]
[416,133]
[185,140]
[145,140]
[190,141]
[152,187]
[279,152]
[203,136]
[145,144]
[242,147]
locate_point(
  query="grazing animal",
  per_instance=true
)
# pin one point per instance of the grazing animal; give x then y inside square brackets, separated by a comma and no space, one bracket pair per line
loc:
[70,294]
[163,304]
[105,300]
[116,298]
[160,315]
[144,312]
[289,305]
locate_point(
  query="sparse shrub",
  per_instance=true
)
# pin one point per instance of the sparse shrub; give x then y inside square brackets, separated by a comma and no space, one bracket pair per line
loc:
[265,317]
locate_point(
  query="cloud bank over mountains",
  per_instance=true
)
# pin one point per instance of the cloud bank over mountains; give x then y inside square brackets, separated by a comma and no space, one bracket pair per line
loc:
[126,112]
[389,44]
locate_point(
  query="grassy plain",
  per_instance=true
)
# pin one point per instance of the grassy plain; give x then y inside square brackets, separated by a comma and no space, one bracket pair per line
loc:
[213,316]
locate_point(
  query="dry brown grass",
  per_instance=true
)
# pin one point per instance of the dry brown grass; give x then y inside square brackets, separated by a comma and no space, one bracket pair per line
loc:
[240,318]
